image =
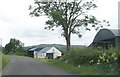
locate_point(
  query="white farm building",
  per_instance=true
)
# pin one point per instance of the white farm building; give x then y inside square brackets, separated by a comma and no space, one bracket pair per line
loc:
[47,52]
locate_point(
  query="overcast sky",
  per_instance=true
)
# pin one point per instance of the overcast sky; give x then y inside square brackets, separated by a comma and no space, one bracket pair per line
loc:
[15,22]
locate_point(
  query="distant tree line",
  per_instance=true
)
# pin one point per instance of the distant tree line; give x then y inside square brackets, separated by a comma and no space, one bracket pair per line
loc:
[14,47]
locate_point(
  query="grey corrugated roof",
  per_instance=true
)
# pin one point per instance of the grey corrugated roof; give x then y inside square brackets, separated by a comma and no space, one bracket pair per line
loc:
[38,49]
[32,49]
[35,49]
[45,49]
[105,34]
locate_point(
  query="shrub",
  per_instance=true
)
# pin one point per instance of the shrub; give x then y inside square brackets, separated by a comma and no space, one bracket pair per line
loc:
[20,53]
[103,60]
[108,60]
[81,56]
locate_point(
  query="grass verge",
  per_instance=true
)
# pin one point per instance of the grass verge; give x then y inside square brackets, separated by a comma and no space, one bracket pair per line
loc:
[5,61]
[81,70]
[0,62]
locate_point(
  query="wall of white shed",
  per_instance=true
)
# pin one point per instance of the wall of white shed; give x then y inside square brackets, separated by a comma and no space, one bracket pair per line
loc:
[35,54]
[56,52]
[39,55]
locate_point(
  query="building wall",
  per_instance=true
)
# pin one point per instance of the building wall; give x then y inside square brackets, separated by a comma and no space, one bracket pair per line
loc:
[56,52]
[35,54]
[41,55]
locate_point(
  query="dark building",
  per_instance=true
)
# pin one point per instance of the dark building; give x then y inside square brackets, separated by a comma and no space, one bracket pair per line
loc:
[106,38]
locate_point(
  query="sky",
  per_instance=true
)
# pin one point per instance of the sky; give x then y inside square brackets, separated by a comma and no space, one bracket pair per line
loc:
[15,22]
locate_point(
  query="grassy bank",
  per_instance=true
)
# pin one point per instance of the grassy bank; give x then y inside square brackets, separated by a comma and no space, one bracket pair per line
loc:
[5,61]
[88,61]
[81,69]
[0,63]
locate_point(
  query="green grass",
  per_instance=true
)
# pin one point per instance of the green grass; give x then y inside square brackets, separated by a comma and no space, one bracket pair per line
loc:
[5,61]
[40,59]
[82,70]
[0,63]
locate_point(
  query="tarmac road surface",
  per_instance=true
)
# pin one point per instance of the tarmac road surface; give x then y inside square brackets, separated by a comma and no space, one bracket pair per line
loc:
[26,66]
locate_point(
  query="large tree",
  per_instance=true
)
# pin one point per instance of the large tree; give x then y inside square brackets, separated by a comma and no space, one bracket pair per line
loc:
[13,46]
[70,16]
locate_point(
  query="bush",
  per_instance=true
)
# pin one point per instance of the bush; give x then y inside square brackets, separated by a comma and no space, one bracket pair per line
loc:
[105,60]
[20,53]
[91,56]
[108,60]
[81,56]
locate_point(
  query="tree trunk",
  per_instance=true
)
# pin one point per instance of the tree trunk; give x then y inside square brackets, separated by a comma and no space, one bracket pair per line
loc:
[68,42]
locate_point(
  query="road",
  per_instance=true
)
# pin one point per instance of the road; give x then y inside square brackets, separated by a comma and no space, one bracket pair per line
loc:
[26,66]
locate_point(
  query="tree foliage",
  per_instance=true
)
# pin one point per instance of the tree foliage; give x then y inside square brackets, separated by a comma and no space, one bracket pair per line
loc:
[70,16]
[14,46]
